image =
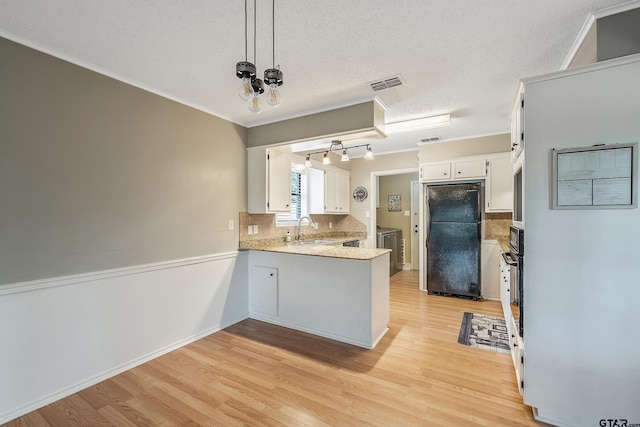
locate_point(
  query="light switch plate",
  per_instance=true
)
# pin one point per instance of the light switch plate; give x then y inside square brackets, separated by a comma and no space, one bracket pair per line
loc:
[407,213]
[250,229]
[230,224]
[255,229]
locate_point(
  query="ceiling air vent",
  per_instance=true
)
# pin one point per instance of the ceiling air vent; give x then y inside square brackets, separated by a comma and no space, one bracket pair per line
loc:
[386,83]
[432,139]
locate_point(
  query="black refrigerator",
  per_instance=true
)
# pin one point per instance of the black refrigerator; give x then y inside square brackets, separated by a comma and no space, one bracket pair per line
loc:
[453,220]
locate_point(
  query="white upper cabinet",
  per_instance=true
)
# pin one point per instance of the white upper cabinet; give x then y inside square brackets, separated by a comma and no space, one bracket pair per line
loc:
[279,182]
[495,169]
[473,168]
[517,124]
[435,171]
[499,184]
[268,180]
[336,190]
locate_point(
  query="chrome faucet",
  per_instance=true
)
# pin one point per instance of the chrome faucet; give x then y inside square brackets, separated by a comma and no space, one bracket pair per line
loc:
[300,228]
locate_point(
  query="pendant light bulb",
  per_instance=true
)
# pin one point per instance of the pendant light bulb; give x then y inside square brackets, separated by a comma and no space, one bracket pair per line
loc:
[307,161]
[326,160]
[369,154]
[255,105]
[245,91]
[273,96]
[344,157]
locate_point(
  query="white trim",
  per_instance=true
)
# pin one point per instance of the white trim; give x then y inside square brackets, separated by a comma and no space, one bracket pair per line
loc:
[61,394]
[577,43]
[618,8]
[53,282]
[96,69]
[610,63]
[462,138]
[372,202]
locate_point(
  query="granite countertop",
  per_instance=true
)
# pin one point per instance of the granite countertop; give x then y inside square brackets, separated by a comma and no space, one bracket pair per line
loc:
[332,249]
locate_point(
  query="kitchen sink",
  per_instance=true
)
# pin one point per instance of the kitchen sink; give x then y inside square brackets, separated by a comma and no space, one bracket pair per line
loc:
[314,242]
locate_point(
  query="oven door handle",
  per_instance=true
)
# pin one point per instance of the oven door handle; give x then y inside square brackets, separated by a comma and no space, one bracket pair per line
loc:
[507,258]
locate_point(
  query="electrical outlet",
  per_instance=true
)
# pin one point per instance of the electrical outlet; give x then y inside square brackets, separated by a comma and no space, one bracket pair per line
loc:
[367,214]
[230,224]
[330,224]
[407,213]
[255,229]
[250,229]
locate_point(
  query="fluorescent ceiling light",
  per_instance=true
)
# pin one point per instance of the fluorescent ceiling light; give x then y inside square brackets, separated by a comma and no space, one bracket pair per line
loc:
[421,123]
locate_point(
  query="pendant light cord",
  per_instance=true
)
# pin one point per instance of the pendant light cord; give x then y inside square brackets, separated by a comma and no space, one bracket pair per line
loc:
[254,30]
[246,49]
[273,34]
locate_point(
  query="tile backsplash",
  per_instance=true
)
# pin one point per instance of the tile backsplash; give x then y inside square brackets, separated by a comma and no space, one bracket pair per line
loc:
[341,226]
[496,227]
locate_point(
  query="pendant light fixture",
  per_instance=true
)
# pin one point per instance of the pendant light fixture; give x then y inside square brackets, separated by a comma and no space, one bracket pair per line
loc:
[252,87]
[273,76]
[245,70]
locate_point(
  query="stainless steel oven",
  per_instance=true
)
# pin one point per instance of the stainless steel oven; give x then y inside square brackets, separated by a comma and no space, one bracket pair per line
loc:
[516,245]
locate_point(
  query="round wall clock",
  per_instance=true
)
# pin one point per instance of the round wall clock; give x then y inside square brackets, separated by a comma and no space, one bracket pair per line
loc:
[360,194]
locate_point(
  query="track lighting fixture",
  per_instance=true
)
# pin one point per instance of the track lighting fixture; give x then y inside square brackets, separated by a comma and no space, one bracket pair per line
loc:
[337,146]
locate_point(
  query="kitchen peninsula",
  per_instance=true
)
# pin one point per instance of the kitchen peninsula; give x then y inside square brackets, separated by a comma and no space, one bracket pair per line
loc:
[326,289]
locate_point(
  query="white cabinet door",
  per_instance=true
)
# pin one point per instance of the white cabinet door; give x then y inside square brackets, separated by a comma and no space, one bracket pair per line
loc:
[315,190]
[336,182]
[264,291]
[342,191]
[517,125]
[435,171]
[474,168]
[505,291]
[278,182]
[268,180]
[499,189]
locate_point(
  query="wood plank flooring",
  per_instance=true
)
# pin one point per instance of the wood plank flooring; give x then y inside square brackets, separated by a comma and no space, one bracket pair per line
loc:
[256,374]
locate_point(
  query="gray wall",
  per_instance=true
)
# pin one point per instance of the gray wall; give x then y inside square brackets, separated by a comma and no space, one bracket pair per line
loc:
[96,174]
[618,35]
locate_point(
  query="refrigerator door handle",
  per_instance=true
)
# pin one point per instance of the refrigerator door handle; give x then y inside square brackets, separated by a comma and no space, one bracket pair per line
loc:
[428,218]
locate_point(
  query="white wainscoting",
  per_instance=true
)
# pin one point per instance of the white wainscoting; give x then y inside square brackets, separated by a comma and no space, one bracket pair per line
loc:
[61,335]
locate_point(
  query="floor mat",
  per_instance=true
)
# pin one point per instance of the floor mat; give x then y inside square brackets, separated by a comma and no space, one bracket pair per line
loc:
[485,332]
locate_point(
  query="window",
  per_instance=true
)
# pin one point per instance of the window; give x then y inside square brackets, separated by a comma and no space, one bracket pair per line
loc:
[298,200]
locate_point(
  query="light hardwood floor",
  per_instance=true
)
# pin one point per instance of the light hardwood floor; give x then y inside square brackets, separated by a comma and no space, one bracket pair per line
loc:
[256,374]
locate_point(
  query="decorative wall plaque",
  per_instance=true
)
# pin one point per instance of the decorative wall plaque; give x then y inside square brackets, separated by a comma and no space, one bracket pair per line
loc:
[395,203]
[360,194]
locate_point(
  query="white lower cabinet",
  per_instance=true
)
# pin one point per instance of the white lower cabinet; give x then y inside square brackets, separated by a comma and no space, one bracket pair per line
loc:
[264,290]
[342,299]
[517,354]
[515,341]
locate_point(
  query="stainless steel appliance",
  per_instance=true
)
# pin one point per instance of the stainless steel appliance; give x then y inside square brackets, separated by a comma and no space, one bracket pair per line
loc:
[453,221]
[390,238]
[516,245]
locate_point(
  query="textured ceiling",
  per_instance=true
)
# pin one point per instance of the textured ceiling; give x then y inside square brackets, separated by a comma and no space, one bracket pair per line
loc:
[458,57]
